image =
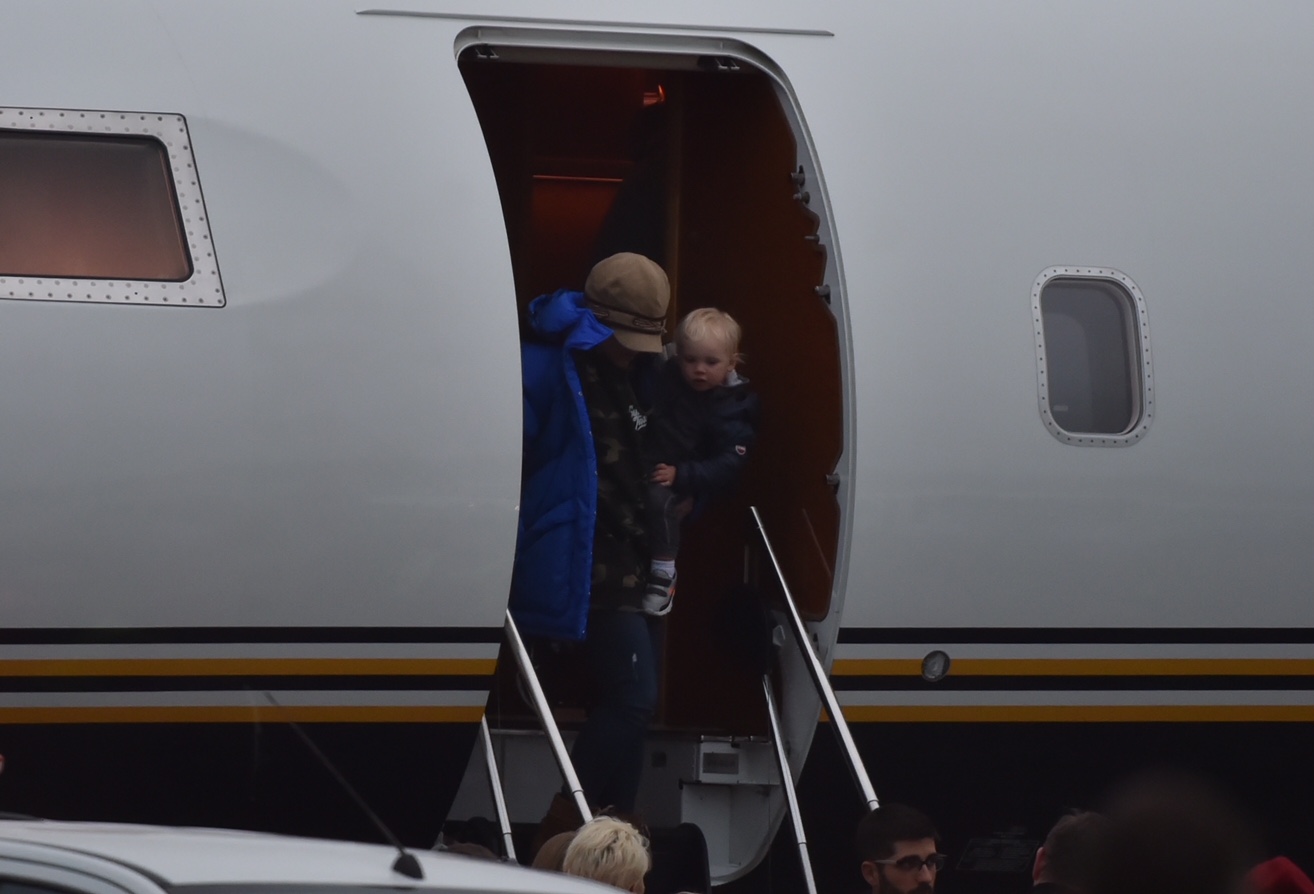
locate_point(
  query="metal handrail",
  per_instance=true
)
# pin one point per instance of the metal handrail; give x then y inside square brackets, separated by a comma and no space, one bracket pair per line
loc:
[499,797]
[787,782]
[546,719]
[818,673]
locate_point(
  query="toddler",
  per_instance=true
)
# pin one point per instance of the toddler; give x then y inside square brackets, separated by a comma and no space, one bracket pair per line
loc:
[702,425]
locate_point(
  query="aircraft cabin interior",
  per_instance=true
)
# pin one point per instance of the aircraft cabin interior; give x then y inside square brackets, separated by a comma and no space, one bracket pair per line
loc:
[694,166]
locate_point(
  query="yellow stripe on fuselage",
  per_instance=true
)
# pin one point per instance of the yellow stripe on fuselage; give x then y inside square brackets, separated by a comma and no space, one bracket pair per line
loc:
[1082,667]
[224,667]
[239,714]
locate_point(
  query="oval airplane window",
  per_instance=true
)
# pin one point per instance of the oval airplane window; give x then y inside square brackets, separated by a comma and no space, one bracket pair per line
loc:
[1092,348]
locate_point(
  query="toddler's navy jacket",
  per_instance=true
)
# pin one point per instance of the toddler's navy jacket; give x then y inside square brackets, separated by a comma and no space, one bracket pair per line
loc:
[706,435]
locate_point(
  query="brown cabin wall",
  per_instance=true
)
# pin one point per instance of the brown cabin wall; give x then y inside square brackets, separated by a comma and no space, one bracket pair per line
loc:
[742,248]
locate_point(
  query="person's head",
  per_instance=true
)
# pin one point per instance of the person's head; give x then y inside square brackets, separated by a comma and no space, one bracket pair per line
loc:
[553,852]
[1279,876]
[629,294]
[610,851]
[1174,832]
[707,342]
[1073,852]
[899,850]
[471,849]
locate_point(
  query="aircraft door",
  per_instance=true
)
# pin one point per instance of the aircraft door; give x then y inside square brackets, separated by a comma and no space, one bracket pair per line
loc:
[695,166]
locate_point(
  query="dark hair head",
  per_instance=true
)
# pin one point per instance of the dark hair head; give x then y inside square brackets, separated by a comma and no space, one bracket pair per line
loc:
[1172,832]
[471,849]
[1075,850]
[885,825]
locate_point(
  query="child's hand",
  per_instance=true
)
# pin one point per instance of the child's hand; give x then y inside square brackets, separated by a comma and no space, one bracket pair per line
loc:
[663,475]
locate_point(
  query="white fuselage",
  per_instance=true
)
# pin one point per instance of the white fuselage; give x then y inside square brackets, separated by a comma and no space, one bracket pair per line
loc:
[339,444]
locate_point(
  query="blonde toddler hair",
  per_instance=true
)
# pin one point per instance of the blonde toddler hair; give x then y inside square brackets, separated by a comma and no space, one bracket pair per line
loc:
[610,851]
[709,324]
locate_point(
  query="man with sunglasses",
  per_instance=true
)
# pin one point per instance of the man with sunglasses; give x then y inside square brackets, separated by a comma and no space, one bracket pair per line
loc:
[899,849]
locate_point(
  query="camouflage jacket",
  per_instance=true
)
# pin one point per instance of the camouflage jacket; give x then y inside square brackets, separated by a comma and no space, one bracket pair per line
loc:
[620,538]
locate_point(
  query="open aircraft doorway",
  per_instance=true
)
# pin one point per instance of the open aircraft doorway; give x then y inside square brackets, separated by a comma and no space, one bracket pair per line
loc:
[700,162]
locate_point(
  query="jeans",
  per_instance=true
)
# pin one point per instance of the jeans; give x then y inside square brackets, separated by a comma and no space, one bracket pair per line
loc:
[621,650]
[664,516]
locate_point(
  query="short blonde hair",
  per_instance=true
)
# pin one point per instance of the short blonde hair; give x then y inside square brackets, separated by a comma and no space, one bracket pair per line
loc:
[709,324]
[610,851]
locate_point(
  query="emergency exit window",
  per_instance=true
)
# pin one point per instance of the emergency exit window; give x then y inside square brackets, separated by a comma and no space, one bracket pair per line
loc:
[89,207]
[1092,343]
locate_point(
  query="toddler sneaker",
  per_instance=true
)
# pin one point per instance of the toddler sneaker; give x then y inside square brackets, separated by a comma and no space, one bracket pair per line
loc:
[660,595]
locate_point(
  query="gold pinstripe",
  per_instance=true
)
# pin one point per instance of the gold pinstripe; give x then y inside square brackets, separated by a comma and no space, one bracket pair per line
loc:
[221,667]
[224,667]
[1082,667]
[252,714]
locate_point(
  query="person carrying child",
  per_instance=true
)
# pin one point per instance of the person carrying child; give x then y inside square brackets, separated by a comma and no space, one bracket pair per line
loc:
[582,548]
[703,423]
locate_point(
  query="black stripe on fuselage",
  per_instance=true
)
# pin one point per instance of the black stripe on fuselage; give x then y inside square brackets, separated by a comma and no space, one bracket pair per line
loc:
[1077,635]
[255,683]
[226,635]
[1083,683]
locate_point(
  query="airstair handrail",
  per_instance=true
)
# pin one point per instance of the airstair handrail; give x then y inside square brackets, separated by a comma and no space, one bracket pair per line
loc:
[495,783]
[818,673]
[545,717]
[787,783]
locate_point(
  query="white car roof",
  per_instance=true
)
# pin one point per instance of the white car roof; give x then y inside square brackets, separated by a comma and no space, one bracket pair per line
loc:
[186,856]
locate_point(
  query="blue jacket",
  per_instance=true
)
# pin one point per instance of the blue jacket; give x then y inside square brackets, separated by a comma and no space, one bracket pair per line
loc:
[559,493]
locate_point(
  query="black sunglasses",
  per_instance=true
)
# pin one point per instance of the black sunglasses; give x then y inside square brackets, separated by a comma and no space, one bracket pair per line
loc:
[913,863]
